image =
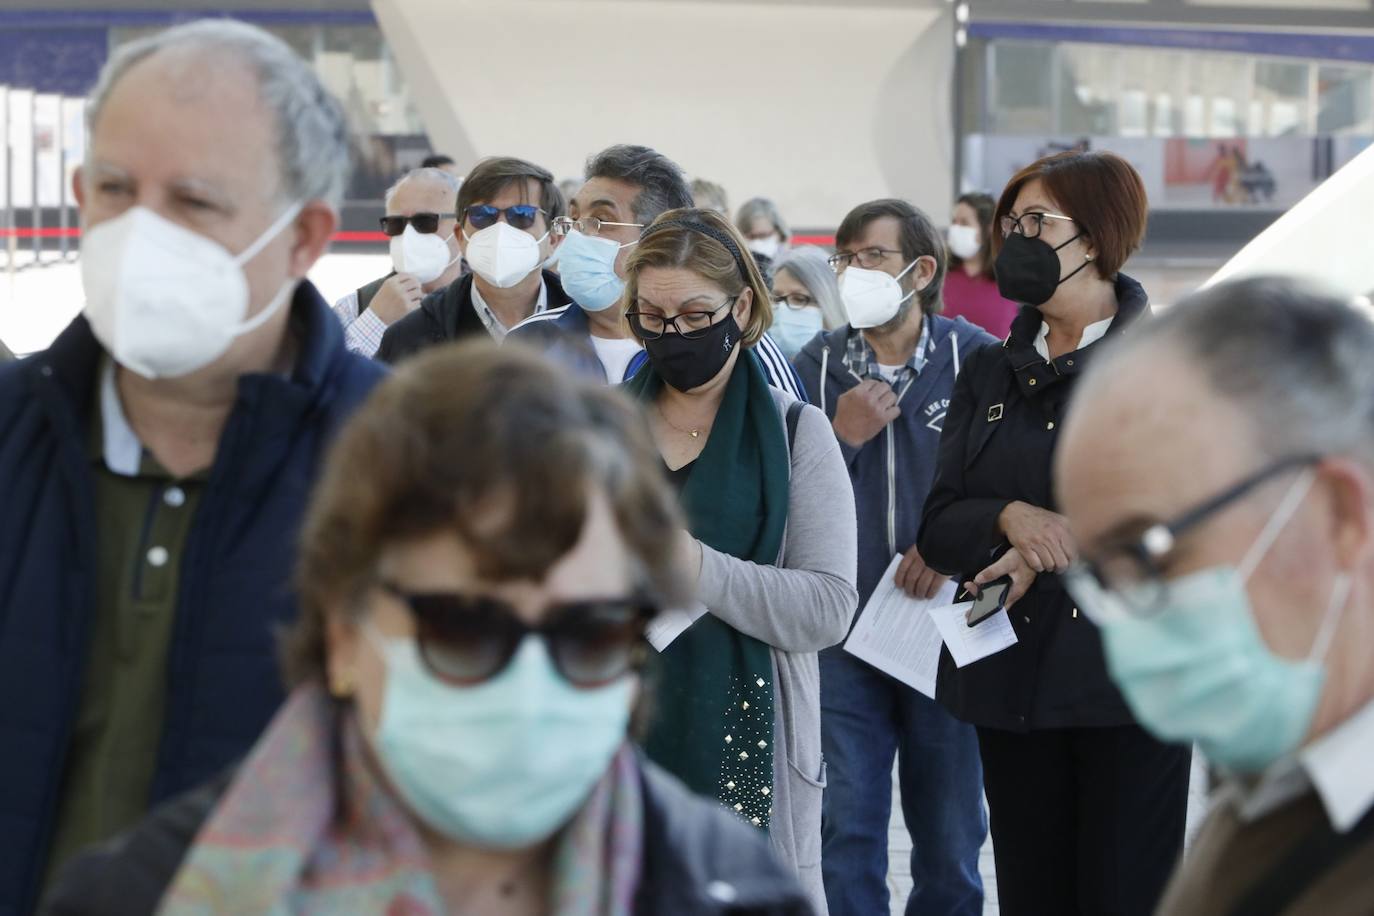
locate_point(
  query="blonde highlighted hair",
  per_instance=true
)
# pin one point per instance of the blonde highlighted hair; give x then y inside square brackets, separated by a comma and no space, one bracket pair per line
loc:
[705,243]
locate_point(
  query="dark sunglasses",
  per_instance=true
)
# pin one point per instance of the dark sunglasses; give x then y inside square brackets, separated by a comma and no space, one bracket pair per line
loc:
[520,216]
[467,639]
[423,222]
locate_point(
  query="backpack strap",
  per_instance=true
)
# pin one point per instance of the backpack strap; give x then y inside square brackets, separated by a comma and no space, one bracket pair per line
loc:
[1320,851]
[794,411]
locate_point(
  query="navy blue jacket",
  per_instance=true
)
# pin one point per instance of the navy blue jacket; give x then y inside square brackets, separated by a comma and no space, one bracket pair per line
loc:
[222,678]
[893,471]
[563,335]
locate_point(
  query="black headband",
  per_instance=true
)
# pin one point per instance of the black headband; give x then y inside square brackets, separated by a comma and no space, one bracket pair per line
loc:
[710,232]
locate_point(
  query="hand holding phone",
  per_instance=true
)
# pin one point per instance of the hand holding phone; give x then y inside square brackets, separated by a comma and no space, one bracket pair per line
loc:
[991,599]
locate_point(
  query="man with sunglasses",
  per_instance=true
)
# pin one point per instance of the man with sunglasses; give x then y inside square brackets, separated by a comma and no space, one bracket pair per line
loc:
[885,379]
[626,189]
[1217,470]
[422,225]
[505,216]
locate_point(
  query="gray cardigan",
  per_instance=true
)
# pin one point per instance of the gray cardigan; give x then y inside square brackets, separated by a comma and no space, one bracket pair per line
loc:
[802,605]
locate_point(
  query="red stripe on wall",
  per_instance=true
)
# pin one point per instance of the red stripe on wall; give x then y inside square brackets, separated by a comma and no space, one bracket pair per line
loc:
[53,232]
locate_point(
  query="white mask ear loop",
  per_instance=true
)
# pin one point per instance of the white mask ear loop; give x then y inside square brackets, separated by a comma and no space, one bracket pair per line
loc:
[283,295]
[272,232]
[1270,532]
[1335,610]
[287,288]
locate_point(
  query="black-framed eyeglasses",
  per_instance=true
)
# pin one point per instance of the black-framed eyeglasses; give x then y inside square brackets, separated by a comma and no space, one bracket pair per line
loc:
[688,325]
[1136,567]
[587,225]
[423,222]
[467,639]
[1029,224]
[796,301]
[868,258]
[520,216]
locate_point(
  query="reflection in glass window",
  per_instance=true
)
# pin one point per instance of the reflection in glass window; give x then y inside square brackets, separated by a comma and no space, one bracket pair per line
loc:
[1021,100]
[1343,100]
[1088,89]
[1279,104]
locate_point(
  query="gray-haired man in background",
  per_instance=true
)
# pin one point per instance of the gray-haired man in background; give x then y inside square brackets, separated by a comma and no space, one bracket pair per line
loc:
[156,459]
[422,223]
[1218,471]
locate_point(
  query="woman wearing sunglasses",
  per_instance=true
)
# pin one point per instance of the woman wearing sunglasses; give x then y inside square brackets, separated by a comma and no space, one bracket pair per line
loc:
[477,568]
[771,537]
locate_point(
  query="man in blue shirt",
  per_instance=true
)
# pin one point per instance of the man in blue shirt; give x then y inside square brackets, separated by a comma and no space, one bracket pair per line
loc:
[626,189]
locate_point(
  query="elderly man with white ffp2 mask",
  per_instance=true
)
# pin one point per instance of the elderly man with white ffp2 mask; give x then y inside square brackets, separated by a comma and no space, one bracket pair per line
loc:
[1218,472]
[156,458]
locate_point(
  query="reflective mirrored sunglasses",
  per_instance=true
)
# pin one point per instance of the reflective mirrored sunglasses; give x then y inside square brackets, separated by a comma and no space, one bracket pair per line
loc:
[520,216]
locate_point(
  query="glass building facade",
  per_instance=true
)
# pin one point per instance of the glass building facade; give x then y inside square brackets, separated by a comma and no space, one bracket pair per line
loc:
[1234,123]
[62,52]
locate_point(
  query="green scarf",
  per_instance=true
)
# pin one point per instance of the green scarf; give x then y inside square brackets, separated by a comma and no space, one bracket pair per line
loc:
[713,686]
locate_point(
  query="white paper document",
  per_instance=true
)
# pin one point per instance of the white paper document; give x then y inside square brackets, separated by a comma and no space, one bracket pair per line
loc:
[968,644]
[896,635]
[671,624]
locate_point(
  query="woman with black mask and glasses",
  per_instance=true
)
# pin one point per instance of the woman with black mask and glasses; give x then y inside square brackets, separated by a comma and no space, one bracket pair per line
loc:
[478,565]
[1087,809]
[770,540]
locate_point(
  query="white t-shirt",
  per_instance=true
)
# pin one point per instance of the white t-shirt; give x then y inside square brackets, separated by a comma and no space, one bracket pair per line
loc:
[889,373]
[615,355]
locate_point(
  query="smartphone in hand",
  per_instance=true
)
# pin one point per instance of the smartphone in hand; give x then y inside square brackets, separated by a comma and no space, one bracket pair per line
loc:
[990,600]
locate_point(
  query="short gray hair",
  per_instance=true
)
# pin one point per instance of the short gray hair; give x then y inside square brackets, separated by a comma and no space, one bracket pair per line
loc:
[312,132]
[450,182]
[662,185]
[1292,357]
[756,207]
[811,266]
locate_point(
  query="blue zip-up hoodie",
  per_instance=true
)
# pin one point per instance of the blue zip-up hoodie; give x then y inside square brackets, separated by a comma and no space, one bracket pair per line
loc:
[233,591]
[893,471]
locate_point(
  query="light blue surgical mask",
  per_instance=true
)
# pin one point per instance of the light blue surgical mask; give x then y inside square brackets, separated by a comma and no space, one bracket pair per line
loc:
[1198,669]
[793,328]
[503,764]
[586,266]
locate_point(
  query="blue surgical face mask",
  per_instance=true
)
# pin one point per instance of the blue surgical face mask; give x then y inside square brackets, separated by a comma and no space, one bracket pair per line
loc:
[503,764]
[1197,668]
[793,328]
[586,266]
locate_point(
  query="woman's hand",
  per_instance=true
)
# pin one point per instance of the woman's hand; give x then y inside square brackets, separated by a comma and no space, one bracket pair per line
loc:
[1042,537]
[1011,564]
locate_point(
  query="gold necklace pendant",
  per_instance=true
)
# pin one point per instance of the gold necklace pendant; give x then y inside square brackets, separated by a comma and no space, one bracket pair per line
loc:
[694,433]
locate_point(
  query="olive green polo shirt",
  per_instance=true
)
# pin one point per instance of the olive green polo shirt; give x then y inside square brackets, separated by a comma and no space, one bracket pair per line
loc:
[143,517]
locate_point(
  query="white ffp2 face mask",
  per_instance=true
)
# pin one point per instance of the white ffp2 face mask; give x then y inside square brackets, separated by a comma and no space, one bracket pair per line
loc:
[503,255]
[963,241]
[423,255]
[165,301]
[767,247]
[872,298]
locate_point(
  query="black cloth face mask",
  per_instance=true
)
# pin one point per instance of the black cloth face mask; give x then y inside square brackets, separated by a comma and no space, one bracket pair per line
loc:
[690,363]
[1028,269]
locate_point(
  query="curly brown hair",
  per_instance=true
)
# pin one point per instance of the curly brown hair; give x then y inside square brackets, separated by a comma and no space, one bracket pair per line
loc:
[471,432]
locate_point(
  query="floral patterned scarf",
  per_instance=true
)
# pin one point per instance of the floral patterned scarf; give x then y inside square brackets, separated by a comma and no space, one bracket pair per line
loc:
[307,827]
